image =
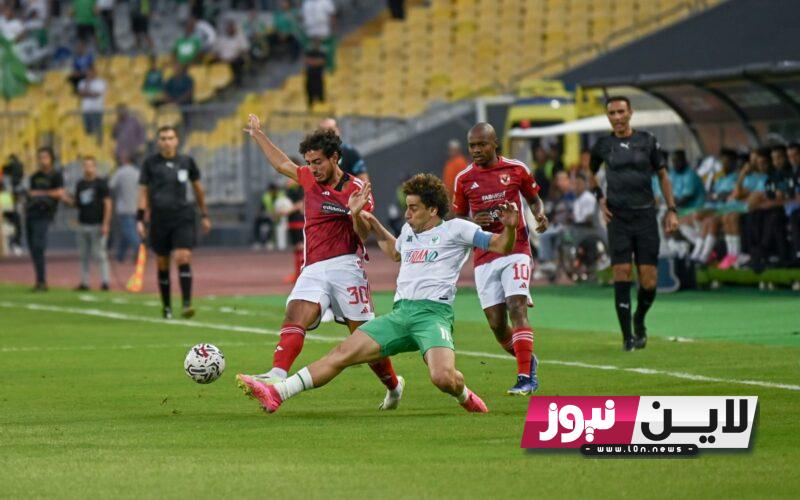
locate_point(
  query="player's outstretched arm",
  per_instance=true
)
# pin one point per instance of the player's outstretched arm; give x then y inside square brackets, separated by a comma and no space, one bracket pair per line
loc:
[358,200]
[277,158]
[386,240]
[503,243]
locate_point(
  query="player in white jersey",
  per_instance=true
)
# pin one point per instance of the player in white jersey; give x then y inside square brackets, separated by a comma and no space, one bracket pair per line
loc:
[431,252]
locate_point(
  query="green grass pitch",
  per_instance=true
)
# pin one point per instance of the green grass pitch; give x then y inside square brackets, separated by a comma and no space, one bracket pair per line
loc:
[94,402]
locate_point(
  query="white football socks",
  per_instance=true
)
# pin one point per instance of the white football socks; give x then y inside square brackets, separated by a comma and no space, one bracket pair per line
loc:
[708,246]
[294,385]
[463,396]
[277,373]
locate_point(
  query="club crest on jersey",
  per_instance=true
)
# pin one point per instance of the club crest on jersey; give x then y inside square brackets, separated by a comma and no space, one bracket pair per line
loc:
[435,240]
[505,179]
[333,208]
[420,256]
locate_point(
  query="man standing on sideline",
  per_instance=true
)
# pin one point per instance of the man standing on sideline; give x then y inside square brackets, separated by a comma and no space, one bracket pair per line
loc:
[124,186]
[502,280]
[352,162]
[45,189]
[631,158]
[93,201]
[163,191]
[456,162]
[129,134]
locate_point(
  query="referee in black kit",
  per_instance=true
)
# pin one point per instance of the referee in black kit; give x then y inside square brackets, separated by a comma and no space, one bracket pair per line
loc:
[163,189]
[631,158]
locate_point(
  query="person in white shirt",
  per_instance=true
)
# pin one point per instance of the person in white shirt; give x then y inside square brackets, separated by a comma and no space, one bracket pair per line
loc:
[206,33]
[11,28]
[92,91]
[318,18]
[431,252]
[233,47]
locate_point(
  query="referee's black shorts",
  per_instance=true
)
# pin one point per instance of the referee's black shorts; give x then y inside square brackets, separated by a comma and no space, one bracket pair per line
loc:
[167,235]
[633,232]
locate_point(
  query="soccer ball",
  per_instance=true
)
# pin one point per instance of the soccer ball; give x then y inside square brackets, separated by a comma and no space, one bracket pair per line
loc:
[204,363]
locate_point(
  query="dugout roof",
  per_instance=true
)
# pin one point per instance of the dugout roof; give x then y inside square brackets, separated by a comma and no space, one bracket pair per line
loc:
[729,107]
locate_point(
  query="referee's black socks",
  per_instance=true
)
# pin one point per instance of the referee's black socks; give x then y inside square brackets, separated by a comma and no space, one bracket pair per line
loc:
[163,287]
[622,300]
[185,275]
[644,300]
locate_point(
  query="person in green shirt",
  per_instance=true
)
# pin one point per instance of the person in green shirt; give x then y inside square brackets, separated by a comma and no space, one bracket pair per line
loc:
[286,35]
[83,13]
[188,46]
[153,85]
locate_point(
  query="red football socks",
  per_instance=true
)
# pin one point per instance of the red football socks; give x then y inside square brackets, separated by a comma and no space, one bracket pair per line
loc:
[385,372]
[522,339]
[289,347]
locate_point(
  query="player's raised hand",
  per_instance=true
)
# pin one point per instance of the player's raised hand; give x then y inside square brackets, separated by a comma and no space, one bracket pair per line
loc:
[509,214]
[359,199]
[482,219]
[253,125]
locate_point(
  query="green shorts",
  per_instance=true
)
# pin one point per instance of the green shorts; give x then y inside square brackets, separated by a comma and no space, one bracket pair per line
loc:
[413,325]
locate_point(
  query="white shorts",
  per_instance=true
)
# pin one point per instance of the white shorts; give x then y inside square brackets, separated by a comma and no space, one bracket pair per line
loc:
[339,283]
[503,277]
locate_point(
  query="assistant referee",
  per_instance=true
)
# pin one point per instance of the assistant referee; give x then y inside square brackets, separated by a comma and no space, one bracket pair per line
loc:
[163,190]
[631,158]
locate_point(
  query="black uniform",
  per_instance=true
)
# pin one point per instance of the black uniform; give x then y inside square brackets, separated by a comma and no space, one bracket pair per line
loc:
[630,165]
[352,162]
[172,214]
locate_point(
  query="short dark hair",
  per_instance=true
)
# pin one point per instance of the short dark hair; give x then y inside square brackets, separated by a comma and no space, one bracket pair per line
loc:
[763,152]
[793,145]
[581,176]
[49,151]
[90,158]
[324,140]
[779,147]
[430,190]
[615,98]
[165,128]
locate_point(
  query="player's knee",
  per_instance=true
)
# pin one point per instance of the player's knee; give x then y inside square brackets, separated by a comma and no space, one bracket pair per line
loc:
[622,272]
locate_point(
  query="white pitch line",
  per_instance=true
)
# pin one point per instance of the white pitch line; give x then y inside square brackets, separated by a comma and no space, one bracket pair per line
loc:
[263,331]
[123,347]
[221,309]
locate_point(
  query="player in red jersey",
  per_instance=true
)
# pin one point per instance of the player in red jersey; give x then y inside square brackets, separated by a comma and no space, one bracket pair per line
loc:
[333,274]
[502,281]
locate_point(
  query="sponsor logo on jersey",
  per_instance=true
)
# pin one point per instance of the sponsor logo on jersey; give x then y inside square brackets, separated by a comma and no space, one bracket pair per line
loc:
[625,145]
[326,193]
[494,196]
[420,256]
[505,179]
[170,164]
[333,208]
[474,185]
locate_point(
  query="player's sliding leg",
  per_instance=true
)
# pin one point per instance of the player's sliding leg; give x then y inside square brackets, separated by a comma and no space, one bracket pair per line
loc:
[648,280]
[384,370]
[183,258]
[622,302]
[522,341]
[356,349]
[441,363]
[162,265]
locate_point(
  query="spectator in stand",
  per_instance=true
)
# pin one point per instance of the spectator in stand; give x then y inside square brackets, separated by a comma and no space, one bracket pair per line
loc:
[45,189]
[92,91]
[106,10]
[153,85]
[542,171]
[85,19]
[206,33]
[286,35]
[188,47]
[255,29]
[233,48]
[318,18]
[81,62]
[11,28]
[140,23]
[398,10]
[93,201]
[315,69]
[130,135]
[124,186]
[456,162]
[793,206]
[559,207]
[179,88]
